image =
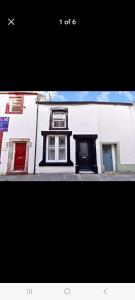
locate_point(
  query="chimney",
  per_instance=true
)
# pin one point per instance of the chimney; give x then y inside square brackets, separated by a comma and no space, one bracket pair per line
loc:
[41,97]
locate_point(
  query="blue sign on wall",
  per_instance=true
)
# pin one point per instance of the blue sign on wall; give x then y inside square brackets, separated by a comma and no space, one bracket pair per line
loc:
[4,121]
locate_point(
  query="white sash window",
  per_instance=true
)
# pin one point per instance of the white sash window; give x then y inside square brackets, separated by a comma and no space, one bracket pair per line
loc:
[59,120]
[56,148]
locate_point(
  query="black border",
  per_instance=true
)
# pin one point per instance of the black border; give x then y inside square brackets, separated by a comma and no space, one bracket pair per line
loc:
[43,162]
[81,238]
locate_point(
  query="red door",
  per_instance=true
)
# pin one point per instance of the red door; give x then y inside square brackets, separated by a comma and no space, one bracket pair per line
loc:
[20,156]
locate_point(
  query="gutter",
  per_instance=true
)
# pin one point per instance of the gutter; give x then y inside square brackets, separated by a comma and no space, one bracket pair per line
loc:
[84,103]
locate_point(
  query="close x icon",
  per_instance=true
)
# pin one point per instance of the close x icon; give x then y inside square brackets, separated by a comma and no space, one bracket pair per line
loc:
[11,21]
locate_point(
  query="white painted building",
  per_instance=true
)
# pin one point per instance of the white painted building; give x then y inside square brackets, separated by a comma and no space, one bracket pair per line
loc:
[85,137]
[17,132]
[39,136]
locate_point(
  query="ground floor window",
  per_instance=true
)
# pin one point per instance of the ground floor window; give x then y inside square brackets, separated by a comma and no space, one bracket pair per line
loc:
[56,148]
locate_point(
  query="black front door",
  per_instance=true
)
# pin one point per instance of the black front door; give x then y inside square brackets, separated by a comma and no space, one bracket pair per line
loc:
[84,155]
[86,159]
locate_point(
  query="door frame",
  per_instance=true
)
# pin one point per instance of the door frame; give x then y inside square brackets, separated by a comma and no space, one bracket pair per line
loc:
[11,156]
[92,138]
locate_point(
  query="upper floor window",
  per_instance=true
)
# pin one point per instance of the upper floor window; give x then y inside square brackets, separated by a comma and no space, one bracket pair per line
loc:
[59,119]
[15,105]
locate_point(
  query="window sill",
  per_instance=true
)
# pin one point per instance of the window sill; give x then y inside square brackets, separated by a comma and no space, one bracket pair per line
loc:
[60,128]
[14,113]
[17,173]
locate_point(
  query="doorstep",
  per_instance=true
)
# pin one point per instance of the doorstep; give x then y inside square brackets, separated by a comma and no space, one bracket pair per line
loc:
[17,173]
[86,172]
[110,173]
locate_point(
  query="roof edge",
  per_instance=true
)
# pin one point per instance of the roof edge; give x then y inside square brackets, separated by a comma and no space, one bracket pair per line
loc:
[19,92]
[83,102]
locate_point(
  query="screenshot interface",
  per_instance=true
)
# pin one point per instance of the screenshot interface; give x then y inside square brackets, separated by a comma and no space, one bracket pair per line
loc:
[67,291]
[67,113]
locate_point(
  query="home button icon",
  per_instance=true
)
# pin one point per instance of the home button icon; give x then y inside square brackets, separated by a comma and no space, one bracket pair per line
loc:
[67,291]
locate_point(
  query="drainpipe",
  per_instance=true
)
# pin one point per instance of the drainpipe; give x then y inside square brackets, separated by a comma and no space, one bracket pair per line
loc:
[134,109]
[36,136]
[134,106]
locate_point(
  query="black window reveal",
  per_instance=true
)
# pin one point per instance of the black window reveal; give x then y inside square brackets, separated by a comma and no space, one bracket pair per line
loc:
[56,148]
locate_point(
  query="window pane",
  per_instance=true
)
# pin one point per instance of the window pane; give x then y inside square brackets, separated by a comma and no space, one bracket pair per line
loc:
[15,108]
[84,148]
[62,123]
[51,140]
[16,101]
[51,154]
[62,141]
[59,123]
[58,115]
[62,154]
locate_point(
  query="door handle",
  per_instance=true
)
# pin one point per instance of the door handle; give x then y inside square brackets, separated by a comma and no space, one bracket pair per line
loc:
[84,156]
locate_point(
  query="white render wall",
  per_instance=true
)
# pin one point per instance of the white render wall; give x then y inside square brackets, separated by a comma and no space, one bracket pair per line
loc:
[117,124]
[112,123]
[21,126]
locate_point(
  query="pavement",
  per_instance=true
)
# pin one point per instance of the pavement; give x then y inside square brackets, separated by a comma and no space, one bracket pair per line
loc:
[70,177]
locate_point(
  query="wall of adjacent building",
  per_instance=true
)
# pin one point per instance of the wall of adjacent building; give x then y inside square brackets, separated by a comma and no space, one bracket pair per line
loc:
[21,126]
[117,126]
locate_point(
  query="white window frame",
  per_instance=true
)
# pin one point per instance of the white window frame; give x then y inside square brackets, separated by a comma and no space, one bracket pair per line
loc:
[59,119]
[50,147]
[57,148]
